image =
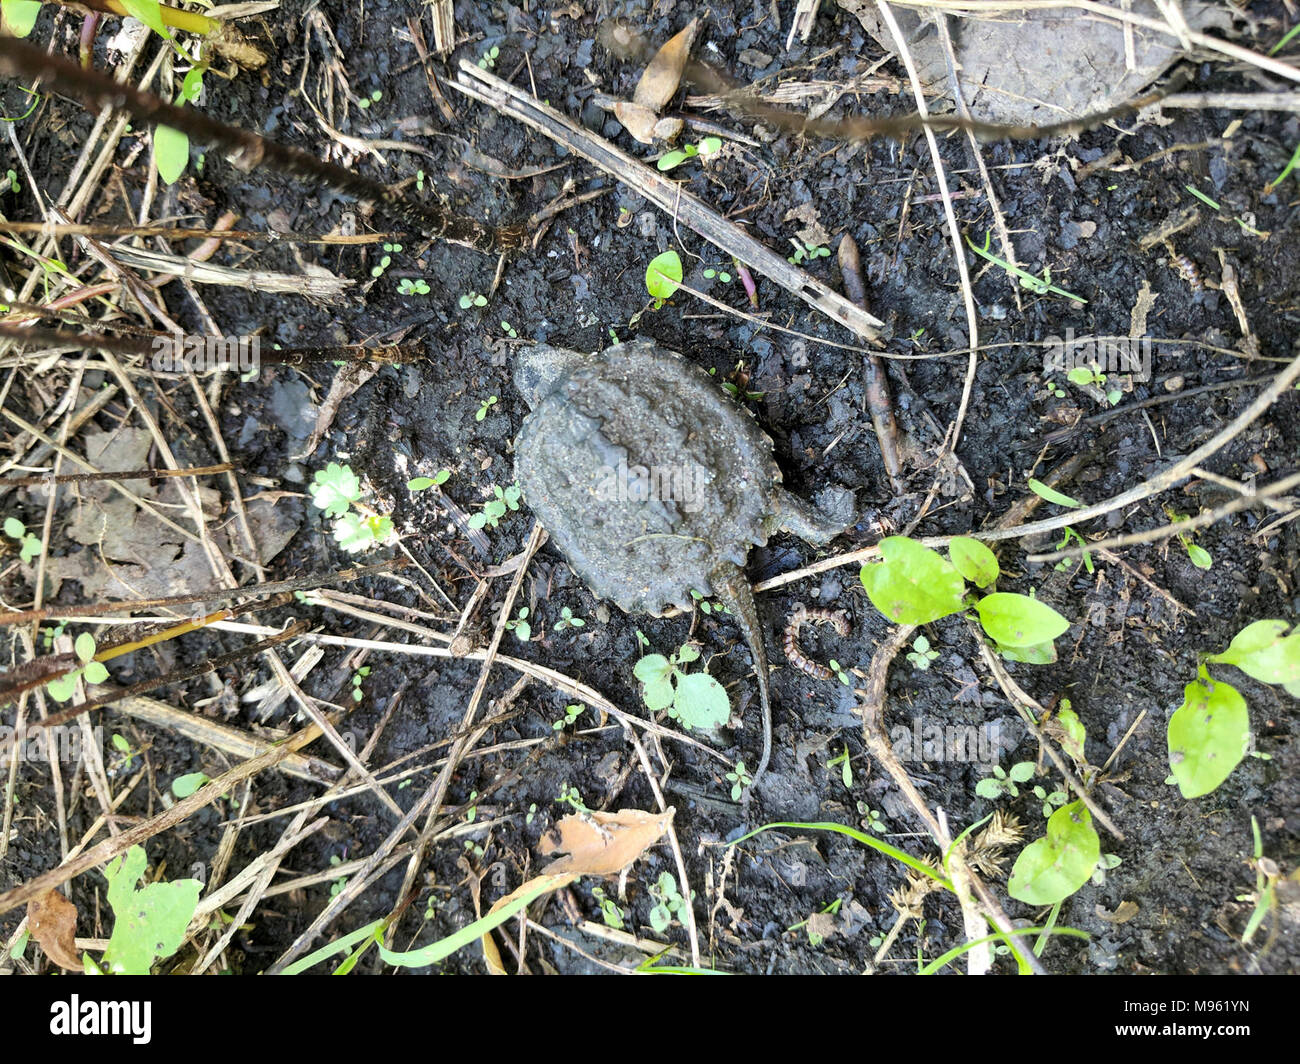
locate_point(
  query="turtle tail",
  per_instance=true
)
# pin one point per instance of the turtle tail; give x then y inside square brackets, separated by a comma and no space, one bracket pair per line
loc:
[731,586]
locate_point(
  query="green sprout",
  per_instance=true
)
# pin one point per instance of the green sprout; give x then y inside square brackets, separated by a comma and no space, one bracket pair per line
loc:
[609,910]
[366,101]
[669,903]
[721,275]
[570,796]
[1203,197]
[184,786]
[336,490]
[846,769]
[707,146]
[1197,555]
[1070,535]
[425,483]
[872,819]
[509,330]
[739,778]
[472,299]
[1107,862]
[695,700]
[662,276]
[1039,285]
[921,655]
[417,287]
[355,532]
[1004,783]
[496,508]
[123,746]
[520,626]
[568,620]
[571,714]
[29,545]
[357,677]
[807,252]
[484,407]
[1050,800]
[64,687]
[913,584]
[840,673]
[489,58]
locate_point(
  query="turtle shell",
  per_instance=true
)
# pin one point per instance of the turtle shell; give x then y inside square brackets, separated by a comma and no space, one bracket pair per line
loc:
[646,475]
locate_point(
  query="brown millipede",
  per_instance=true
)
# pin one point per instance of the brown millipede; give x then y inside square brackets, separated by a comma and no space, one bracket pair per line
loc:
[801,615]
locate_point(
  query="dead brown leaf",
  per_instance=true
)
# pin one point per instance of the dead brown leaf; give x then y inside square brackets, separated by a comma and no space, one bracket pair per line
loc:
[1122,914]
[602,844]
[663,73]
[52,920]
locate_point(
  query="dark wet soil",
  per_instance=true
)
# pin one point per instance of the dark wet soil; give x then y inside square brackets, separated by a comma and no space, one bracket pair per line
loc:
[1123,664]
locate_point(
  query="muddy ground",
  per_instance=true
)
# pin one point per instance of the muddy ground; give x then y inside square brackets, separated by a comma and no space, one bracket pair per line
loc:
[1136,630]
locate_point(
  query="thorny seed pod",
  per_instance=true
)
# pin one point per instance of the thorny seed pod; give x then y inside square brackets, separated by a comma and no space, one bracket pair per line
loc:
[801,615]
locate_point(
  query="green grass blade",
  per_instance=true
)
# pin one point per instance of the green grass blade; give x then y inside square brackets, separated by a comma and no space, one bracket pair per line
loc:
[862,837]
[947,958]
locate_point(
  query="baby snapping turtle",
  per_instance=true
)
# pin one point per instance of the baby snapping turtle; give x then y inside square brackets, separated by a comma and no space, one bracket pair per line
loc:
[652,483]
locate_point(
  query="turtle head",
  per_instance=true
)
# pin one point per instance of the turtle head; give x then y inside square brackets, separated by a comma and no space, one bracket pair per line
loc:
[538,369]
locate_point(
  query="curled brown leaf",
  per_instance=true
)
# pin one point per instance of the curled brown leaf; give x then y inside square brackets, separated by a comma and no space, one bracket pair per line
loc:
[663,73]
[52,920]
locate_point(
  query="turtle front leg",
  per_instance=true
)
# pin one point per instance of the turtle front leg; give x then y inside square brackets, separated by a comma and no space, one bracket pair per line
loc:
[731,586]
[792,514]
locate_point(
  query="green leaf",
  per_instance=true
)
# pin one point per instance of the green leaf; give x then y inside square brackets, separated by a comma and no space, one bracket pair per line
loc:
[85,647]
[989,788]
[1052,495]
[1075,734]
[171,151]
[14,528]
[64,687]
[184,786]
[1052,868]
[1081,375]
[1199,556]
[150,13]
[334,489]
[420,483]
[1264,652]
[192,85]
[652,667]
[663,275]
[913,584]
[20,15]
[701,701]
[673,158]
[974,560]
[149,923]
[709,145]
[1038,654]
[687,653]
[1208,735]
[658,694]
[29,548]
[354,533]
[1021,771]
[1014,620]
[95,672]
